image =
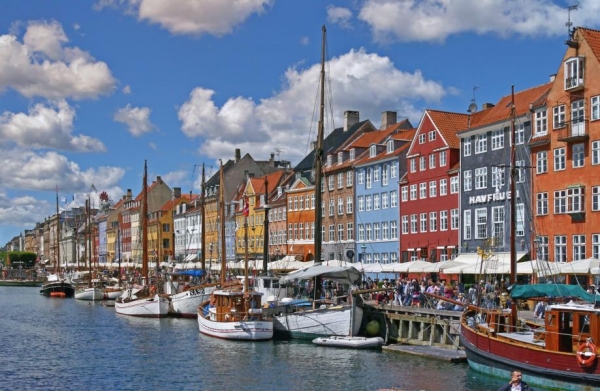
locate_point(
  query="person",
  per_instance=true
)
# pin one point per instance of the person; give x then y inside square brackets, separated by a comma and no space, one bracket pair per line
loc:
[516,383]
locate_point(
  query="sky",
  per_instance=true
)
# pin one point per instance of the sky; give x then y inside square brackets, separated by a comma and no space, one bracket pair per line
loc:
[89,90]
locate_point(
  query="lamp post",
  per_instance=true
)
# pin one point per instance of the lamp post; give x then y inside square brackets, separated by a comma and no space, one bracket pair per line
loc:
[364,251]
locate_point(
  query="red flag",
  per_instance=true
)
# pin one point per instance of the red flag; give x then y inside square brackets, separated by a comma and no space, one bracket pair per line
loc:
[246,210]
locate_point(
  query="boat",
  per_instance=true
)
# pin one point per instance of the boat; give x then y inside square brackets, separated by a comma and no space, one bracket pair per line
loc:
[113,289]
[186,296]
[143,300]
[350,342]
[234,311]
[91,289]
[560,354]
[91,292]
[55,284]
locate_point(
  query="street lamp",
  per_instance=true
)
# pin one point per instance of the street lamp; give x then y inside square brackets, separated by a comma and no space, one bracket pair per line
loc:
[364,251]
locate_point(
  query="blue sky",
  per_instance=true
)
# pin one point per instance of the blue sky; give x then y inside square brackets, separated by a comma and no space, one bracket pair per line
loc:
[89,89]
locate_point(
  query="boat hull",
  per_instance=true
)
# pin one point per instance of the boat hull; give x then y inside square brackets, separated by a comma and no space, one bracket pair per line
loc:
[320,322]
[90,294]
[236,330]
[112,293]
[58,287]
[498,357]
[185,304]
[350,342]
[148,307]
[20,283]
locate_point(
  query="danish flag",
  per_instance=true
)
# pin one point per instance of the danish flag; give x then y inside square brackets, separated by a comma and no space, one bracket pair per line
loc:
[246,210]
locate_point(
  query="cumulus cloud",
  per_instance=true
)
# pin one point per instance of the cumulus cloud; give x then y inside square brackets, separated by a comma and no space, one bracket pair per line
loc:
[42,65]
[193,17]
[339,15]
[126,89]
[436,20]
[137,119]
[46,126]
[359,81]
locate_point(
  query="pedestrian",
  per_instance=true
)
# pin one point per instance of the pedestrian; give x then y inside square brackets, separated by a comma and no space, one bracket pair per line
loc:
[516,383]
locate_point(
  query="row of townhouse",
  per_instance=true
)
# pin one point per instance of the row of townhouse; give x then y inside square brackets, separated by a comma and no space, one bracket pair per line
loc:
[397,193]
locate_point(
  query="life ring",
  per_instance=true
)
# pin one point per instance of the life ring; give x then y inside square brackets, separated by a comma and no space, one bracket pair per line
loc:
[586,354]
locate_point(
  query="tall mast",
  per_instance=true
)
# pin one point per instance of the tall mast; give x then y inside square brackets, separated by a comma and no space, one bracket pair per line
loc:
[144,217]
[202,224]
[513,213]
[319,158]
[57,265]
[266,228]
[245,246]
[222,218]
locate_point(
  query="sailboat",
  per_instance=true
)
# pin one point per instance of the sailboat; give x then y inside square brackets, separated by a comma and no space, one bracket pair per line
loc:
[560,353]
[93,290]
[234,311]
[312,319]
[55,285]
[144,300]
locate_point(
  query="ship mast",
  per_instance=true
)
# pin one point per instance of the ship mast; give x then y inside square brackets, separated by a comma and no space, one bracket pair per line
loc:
[319,158]
[144,217]
[513,213]
[222,218]
[202,223]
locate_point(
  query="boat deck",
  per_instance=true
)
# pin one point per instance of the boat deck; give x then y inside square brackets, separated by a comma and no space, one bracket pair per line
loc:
[526,337]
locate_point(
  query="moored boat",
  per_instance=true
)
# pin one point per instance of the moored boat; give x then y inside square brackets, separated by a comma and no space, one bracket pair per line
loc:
[350,342]
[56,285]
[186,296]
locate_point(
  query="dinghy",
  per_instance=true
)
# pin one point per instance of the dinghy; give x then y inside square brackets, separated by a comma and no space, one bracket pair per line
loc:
[350,342]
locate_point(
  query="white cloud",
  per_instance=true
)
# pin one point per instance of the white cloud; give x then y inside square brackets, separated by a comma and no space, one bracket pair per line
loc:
[22,211]
[359,81]
[46,126]
[194,17]
[43,66]
[126,89]
[137,119]
[436,20]
[339,15]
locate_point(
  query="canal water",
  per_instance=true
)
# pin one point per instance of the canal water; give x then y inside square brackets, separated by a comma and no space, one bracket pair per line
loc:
[67,344]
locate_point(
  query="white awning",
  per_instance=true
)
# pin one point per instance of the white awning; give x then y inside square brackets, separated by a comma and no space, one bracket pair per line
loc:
[190,257]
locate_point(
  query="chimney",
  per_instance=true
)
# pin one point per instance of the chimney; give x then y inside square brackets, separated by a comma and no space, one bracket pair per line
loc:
[486,106]
[129,195]
[176,192]
[350,118]
[272,160]
[552,77]
[388,118]
[238,155]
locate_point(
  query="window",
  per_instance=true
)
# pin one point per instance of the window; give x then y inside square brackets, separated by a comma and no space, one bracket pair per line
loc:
[423,226]
[352,154]
[443,187]
[481,178]
[560,248]
[520,134]
[595,107]
[340,206]
[541,122]
[376,172]
[384,175]
[542,204]
[433,189]
[542,248]
[595,198]
[573,73]
[340,157]
[330,182]
[595,246]
[422,190]
[384,201]
[454,219]
[481,143]
[481,223]
[404,225]
[385,231]
[413,192]
[349,178]
[331,233]
[369,177]
[369,232]
[467,180]
[389,146]
[467,225]
[520,224]
[432,221]
[368,202]
[376,201]
[443,160]
[393,198]
[467,147]
[413,165]
[340,232]
[422,138]
[520,172]
[413,224]
[432,135]
[350,231]
[361,233]
[329,160]
[454,185]
[577,118]
[498,225]
[376,232]
[558,117]
[340,180]
[432,159]
[393,170]
[361,177]
[498,177]
[372,151]
[331,207]
[575,199]
[560,201]
[559,159]
[578,247]
[578,155]
[393,229]
[361,204]
[498,139]
[541,165]
[443,220]
[349,205]
[422,163]
[404,191]
[595,152]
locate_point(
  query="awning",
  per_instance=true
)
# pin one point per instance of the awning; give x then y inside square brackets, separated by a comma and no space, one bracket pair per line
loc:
[190,257]
[467,257]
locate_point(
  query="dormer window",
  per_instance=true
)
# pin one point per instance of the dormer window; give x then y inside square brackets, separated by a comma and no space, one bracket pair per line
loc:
[373,151]
[574,72]
[329,160]
[431,135]
[352,154]
[340,157]
[279,191]
[390,146]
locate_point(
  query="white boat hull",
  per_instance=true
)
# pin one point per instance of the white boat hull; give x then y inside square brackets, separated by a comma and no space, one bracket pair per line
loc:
[250,330]
[148,307]
[113,294]
[350,342]
[90,294]
[320,322]
[185,304]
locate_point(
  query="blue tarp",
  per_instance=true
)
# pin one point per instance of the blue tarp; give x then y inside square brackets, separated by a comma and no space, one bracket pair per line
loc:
[195,273]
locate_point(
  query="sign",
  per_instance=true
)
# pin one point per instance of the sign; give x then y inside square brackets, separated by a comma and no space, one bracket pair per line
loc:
[485,198]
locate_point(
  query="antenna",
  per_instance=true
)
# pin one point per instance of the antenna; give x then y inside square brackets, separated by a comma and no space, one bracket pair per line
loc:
[571,32]
[473,106]
[278,152]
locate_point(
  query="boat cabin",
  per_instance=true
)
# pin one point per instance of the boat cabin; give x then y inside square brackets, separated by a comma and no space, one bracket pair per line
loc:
[570,325]
[235,306]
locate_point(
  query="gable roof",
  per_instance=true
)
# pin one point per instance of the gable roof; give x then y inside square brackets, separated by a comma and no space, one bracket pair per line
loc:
[592,37]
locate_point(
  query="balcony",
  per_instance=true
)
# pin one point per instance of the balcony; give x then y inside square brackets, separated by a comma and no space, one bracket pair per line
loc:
[574,132]
[574,83]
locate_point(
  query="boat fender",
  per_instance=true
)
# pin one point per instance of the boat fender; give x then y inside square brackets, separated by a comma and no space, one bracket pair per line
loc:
[226,317]
[586,354]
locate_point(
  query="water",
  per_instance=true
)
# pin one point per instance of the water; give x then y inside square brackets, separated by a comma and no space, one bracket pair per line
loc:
[67,344]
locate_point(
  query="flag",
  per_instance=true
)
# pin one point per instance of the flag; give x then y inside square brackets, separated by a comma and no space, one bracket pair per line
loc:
[246,210]
[93,188]
[63,199]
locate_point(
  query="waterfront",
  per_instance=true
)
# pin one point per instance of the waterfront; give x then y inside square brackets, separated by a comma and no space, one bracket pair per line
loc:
[67,344]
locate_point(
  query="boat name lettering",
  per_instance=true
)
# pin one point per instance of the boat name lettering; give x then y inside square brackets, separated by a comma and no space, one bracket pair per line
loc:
[195,292]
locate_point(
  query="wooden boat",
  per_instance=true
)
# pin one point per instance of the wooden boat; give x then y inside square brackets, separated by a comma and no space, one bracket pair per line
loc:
[350,342]
[143,301]
[235,311]
[185,297]
[95,292]
[29,283]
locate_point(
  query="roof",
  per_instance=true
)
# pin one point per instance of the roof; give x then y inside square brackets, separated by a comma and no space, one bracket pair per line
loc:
[449,124]
[592,37]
